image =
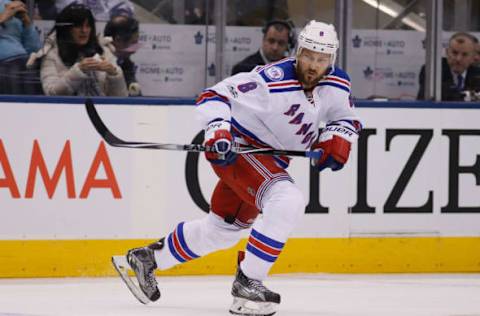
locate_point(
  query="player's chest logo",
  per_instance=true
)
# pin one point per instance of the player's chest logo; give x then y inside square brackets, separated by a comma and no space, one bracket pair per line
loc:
[296,116]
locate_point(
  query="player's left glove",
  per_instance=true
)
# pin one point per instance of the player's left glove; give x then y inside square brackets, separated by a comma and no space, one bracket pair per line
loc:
[334,144]
[219,138]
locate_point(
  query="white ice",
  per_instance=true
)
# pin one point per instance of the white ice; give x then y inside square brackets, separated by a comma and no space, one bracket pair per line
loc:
[302,295]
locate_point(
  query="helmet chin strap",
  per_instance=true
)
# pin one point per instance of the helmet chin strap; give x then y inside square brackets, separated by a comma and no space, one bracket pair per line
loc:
[332,63]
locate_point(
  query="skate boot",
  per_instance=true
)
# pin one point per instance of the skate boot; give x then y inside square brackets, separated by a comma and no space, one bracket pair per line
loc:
[252,298]
[142,262]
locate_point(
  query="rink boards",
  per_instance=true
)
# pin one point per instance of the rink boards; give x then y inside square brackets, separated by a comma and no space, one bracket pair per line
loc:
[408,201]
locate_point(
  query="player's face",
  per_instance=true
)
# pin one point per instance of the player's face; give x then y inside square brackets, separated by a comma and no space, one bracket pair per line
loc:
[460,55]
[275,43]
[81,33]
[311,66]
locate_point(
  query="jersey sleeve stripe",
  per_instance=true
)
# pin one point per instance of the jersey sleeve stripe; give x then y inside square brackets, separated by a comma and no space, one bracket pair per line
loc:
[210,95]
[338,79]
[334,84]
[285,83]
[296,88]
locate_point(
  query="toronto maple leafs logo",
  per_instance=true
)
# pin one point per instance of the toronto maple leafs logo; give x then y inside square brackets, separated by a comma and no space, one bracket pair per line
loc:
[211,70]
[368,72]
[198,38]
[357,41]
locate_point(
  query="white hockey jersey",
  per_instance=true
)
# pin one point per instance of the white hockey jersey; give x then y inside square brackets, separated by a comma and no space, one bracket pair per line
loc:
[268,107]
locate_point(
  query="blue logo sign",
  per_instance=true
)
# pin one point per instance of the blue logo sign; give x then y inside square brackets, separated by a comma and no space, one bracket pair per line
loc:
[198,38]
[368,72]
[211,70]
[357,41]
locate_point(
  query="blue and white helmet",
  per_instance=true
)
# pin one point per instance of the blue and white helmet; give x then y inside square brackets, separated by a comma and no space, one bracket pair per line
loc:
[319,37]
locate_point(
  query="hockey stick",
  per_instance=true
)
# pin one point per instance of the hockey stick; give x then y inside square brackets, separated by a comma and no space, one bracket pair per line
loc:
[114,141]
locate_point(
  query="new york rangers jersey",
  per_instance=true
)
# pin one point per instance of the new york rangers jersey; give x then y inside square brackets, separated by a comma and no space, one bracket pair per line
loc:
[268,106]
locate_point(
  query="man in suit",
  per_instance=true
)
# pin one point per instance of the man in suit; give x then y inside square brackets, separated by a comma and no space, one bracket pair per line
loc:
[458,72]
[277,40]
[477,56]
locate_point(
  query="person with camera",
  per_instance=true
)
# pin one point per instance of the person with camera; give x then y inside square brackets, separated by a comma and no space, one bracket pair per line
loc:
[76,62]
[18,38]
[276,43]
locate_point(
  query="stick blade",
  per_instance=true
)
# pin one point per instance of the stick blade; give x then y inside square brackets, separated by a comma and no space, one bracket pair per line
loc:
[122,267]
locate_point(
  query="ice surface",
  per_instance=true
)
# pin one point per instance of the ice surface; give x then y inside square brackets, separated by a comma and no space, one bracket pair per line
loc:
[302,295]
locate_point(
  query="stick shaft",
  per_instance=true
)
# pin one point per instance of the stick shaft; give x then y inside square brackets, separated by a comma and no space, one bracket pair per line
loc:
[115,141]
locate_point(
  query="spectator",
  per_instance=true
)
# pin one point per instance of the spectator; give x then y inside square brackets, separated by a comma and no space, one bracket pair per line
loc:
[276,43]
[195,12]
[124,32]
[18,38]
[102,10]
[46,9]
[76,62]
[477,55]
[459,76]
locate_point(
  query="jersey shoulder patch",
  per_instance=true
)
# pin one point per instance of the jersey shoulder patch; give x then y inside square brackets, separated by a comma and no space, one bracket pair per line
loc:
[338,79]
[279,71]
[280,76]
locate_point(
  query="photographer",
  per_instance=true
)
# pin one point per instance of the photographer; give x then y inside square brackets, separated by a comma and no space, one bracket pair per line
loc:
[18,38]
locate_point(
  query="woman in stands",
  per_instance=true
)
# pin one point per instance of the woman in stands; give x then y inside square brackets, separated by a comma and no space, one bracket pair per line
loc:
[76,62]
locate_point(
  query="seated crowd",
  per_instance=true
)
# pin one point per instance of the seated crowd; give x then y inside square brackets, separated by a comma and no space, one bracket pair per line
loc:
[73,59]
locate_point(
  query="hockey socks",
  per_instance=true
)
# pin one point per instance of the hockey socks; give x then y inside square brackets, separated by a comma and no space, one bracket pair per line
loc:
[262,252]
[175,251]
[196,238]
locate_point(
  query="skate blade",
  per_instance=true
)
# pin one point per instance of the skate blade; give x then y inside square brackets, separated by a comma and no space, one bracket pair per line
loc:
[244,307]
[121,265]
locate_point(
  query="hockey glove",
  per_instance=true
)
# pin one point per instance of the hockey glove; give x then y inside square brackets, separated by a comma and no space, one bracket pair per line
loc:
[219,138]
[334,143]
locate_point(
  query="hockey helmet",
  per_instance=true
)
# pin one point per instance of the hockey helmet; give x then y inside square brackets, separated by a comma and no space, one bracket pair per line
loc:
[319,37]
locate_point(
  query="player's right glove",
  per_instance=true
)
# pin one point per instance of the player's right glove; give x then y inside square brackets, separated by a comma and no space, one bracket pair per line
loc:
[334,143]
[219,138]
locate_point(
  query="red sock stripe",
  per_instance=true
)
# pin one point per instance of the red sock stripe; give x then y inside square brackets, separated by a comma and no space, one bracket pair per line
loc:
[179,248]
[258,244]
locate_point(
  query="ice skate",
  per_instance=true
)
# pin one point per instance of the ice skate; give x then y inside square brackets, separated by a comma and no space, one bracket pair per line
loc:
[142,262]
[252,298]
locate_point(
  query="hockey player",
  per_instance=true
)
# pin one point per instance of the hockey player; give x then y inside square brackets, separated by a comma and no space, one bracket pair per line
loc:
[279,105]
